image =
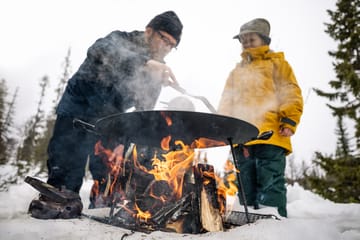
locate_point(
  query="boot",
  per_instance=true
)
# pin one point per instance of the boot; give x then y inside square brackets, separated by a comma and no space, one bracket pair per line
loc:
[54,203]
[46,208]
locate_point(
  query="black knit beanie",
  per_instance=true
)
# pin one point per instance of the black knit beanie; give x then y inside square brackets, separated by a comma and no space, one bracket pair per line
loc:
[168,22]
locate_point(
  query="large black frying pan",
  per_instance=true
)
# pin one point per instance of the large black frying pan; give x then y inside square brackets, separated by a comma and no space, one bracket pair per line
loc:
[150,127]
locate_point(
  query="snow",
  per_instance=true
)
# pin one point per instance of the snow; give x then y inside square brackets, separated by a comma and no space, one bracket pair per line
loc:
[310,217]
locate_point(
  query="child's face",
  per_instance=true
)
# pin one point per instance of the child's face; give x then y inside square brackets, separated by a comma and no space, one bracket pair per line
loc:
[251,40]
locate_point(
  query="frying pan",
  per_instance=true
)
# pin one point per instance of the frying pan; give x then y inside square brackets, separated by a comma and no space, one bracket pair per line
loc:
[150,127]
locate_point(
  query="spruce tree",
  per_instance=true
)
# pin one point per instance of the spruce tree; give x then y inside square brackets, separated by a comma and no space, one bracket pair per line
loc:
[7,110]
[3,137]
[33,130]
[345,30]
[340,176]
[8,127]
[40,152]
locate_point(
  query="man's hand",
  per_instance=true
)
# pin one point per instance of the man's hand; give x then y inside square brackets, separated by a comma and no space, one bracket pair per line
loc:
[162,71]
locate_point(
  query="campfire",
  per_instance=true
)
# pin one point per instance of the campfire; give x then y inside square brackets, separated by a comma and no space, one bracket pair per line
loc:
[178,192]
[173,188]
[164,181]
[157,177]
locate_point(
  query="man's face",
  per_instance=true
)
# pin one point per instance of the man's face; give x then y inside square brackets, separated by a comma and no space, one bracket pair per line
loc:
[251,40]
[160,43]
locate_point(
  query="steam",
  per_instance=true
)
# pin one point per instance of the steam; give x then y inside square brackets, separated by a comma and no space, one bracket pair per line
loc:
[117,63]
[250,99]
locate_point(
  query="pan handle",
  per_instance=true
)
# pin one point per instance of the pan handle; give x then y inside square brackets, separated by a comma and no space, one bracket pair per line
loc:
[201,98]
[78,123]
[265,135]
[262,136]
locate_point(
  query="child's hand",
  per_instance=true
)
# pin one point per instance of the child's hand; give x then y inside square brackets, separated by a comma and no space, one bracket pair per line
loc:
[286,132]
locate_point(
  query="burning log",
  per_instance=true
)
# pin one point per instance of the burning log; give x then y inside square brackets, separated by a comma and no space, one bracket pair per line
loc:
[210,217]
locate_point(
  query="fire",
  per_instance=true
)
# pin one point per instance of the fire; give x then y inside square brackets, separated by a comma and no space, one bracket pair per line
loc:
[226,186]
[206,143]
[173,168]
[165,143]
[112,159]
[167,119]
[142,215]
[167,167]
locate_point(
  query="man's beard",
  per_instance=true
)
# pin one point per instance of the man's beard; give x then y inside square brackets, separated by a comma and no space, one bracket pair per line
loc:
[156,52]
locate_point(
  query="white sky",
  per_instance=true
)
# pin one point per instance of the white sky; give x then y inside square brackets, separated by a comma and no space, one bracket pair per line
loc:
[35,36]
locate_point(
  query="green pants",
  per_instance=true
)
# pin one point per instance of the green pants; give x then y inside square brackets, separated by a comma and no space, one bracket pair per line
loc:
[263,175]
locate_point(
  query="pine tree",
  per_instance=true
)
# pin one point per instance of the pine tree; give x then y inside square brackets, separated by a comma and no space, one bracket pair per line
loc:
[340,179]
[63,80]
[3,137]
[7,110]
[33,129]
[345,29]
[40,152]
[8,127]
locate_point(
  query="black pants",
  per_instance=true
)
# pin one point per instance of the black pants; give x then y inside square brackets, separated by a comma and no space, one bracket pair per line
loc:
[68,151]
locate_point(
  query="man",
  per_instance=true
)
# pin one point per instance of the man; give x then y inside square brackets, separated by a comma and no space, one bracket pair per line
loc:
[121,71]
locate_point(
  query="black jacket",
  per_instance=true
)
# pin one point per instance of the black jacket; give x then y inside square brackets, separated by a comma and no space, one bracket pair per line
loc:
[111,79]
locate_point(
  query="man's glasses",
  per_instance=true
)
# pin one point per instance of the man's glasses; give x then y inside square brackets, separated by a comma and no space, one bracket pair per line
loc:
[166,40]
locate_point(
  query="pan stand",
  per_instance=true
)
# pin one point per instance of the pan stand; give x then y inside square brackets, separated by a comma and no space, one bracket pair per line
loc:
[238,175]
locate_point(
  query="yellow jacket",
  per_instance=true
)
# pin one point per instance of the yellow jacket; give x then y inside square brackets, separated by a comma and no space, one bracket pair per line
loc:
[263,90]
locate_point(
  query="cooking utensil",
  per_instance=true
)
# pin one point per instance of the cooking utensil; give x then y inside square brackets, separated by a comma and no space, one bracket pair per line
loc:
[201,98]
[150,127]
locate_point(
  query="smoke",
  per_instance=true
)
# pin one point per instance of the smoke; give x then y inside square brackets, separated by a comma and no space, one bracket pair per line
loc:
[249,97]
[116,64]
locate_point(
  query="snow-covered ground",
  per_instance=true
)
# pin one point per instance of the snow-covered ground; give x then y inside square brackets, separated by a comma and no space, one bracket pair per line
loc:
[310,217]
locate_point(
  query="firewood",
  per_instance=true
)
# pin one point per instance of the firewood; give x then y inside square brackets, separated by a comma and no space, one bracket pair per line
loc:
[210,217]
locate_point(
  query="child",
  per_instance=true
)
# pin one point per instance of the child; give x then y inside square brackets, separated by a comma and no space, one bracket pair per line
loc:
[263,90]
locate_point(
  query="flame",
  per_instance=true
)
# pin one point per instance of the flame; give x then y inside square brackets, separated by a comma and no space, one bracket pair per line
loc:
[94,189]
[209,175]
[142,215]
[112,159]
[165,143]
[226,186]
[173,168]
[206,143]
[160,198]
[136,163]
[167,119]
[232,189]
[229,166]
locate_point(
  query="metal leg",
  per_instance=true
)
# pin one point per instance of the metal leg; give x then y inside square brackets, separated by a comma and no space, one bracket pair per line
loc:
[238,174]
